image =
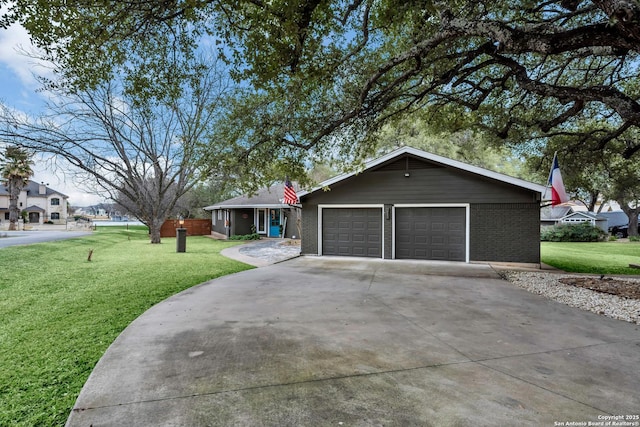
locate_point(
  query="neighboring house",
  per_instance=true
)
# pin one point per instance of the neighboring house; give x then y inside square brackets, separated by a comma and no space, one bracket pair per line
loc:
[40,202]
[569,213]
[263,213]
[551,215]
[411,204]
[581,217]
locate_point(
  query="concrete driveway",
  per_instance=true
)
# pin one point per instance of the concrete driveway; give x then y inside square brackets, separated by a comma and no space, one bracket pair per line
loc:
[344,342]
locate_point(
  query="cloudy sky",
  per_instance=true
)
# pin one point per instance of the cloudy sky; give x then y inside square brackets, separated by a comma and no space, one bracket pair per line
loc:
[18,89]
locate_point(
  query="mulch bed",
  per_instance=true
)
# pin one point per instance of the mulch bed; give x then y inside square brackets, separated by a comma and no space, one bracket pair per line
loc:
[607,285]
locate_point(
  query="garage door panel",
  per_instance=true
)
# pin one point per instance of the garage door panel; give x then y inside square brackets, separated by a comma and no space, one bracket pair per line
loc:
[434,233]
[457,240]
[438,240]
[359,231]
[438,255]
[344,238]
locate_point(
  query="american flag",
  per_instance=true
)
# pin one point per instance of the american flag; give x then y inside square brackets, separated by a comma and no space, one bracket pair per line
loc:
[290,196]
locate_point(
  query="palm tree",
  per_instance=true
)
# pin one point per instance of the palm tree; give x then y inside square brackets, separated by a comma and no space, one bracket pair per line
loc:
[15,170]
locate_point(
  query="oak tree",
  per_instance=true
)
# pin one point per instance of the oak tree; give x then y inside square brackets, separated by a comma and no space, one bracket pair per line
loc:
[324,74]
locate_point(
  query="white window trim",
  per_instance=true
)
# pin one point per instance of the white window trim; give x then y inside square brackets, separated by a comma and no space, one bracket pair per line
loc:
[467,232]
[340,206]
[265,222]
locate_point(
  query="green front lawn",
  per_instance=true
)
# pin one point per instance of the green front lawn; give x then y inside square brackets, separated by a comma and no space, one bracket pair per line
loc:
[596,257]
[60,312]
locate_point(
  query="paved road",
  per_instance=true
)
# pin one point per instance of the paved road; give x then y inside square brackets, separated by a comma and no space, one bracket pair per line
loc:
[29,237]
[329,342]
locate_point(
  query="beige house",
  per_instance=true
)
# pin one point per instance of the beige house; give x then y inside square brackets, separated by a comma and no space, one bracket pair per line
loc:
[41,203]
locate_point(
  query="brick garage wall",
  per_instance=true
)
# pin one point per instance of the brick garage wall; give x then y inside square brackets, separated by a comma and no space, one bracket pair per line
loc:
[309,230]
[195,227]
[507,232]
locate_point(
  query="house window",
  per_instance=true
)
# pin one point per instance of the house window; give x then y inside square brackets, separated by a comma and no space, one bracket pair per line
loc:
[55,202]
[55,215]
[220,214]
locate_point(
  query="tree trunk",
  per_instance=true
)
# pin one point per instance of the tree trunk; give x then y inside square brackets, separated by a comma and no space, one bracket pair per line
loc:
[593,199]
[633,222]
[632,214]
[14,210]
[154,229]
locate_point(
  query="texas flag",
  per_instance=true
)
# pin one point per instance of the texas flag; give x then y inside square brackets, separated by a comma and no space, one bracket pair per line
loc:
[558,193]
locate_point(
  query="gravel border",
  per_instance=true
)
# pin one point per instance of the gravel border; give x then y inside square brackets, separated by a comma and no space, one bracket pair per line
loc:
[547,285]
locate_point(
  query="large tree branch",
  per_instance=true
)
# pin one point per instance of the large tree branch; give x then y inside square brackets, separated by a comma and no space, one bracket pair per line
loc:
[627,108]
[542,38]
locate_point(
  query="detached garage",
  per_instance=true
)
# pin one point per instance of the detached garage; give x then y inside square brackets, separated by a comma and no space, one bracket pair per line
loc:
[411,204]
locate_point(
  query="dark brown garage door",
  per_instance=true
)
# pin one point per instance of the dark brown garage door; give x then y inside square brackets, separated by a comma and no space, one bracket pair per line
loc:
[352,232]
[431,233]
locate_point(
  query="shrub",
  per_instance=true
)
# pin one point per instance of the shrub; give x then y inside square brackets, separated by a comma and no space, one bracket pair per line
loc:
[634,238]
[253,236]
[583,232]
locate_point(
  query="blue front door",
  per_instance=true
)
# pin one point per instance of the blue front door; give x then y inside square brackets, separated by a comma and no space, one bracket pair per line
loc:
[274,218]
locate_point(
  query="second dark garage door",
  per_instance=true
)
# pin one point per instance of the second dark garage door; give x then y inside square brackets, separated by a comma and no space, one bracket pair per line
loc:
[434,233]
[352,232]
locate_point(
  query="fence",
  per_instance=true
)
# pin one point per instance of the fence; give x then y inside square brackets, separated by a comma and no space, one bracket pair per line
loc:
[195,227]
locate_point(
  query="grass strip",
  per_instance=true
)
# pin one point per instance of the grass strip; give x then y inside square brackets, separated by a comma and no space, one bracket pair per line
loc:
[59,312]
[594,258]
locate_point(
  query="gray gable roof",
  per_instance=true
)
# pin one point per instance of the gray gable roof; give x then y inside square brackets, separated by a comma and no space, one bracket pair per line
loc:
[436,159]
[33,190]
[34,208]
[555,212]
[615,218]
[270,197]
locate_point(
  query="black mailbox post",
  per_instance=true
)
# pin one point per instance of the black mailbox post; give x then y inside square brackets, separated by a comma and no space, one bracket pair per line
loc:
[181,236]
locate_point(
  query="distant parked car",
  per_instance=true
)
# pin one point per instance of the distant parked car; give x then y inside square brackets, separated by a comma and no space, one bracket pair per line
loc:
[620,231]
[618,222]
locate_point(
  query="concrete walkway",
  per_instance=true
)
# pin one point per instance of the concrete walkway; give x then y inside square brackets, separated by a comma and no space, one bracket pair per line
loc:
[264,252]
[334,341]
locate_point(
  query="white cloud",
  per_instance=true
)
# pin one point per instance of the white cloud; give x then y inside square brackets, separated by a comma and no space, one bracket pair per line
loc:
[15,44]
[53,174]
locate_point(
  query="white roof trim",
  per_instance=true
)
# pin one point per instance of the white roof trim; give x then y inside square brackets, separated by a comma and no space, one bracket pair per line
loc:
[589,215]
[252,206]
[437,159]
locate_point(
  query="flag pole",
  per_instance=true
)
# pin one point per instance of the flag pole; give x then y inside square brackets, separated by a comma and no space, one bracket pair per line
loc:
[553,162]
[549,184]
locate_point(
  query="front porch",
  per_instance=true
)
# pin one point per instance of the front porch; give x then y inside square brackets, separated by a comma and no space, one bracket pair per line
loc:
[275,222]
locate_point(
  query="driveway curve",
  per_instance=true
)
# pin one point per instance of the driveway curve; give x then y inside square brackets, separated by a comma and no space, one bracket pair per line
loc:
[322,341]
